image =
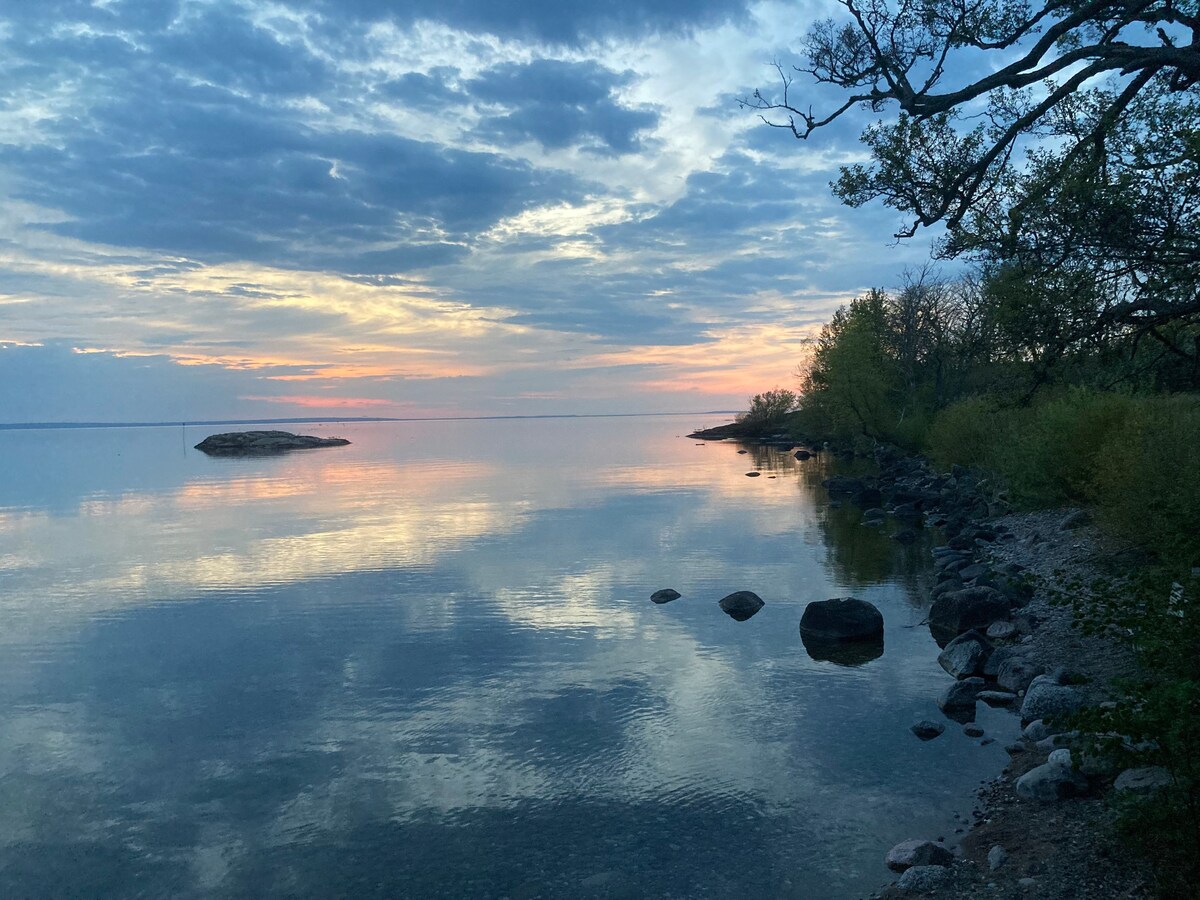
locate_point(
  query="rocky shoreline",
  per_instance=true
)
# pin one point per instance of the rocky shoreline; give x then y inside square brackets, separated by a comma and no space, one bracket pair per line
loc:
[1043,827]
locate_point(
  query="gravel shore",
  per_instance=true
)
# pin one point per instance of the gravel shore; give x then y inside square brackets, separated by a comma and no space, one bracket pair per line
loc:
[1065,848]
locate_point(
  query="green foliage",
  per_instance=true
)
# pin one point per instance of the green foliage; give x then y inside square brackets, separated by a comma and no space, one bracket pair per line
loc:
[769,408]
[1148,483]
[970,432]
[1157,722]
[1053,457]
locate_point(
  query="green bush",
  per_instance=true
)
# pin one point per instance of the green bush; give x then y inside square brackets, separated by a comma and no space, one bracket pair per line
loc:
[1058,444]
[769,408]
[1147,483]
[970,433]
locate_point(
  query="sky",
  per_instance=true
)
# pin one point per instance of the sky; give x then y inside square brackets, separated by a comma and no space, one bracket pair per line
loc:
[236,208]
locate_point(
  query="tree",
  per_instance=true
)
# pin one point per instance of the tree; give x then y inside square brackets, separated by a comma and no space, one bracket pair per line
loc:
[1083,168]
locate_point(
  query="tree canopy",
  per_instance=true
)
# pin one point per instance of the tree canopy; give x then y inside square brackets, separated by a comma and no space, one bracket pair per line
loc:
[1059,144]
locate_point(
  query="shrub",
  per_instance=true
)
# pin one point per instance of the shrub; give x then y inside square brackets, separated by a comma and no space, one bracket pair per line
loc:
[970,432]
[1058,444]
[769,408]
[1147,485]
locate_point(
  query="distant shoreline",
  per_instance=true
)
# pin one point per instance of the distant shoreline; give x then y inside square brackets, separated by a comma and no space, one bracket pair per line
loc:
[315,420]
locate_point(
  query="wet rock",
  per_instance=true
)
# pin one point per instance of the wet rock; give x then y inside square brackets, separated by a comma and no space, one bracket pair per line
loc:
[842,619]
[666,595]
[917,852]
[960,696]
[843,484]
[997,698]
[802,455]
[964,656]
[1143,781]
[973,730]
[753,474]
[975,607]
[741,605]
[927,730]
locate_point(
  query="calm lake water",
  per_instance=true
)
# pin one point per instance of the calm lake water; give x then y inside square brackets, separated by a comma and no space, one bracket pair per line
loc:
[426,665]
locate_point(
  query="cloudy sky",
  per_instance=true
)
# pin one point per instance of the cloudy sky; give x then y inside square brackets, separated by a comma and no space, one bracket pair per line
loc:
[227,208]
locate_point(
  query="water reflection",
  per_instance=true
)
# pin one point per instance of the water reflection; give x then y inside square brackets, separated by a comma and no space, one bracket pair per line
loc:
[427,666]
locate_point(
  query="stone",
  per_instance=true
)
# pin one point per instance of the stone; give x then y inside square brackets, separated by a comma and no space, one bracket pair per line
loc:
[1054,780]
[802,455]
[263,443]
[997,857]
[923,879]
[997,698]
[973,571]
[741,605]
[999,656]
[842,619]
[1142,782]
[960,696]
[1037,730]
[964,656]
[905,536]
[753,474]
[972,730]
[1044,699]
[666,595]
[1001,631]
[1016,674]
[974,607]
[917,852]
[927,730]
[875,513]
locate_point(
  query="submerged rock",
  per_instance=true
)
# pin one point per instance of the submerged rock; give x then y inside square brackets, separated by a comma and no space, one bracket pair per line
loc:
[741,605]
[927,730]
[252,443]
[666,595]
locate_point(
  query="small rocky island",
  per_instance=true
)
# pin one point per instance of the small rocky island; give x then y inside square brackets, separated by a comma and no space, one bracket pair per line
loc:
[263,443]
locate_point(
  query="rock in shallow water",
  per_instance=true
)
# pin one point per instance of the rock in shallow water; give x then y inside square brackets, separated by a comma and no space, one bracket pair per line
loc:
[927,730]
[741,605]
[666,595]
[252,443]
[842,619]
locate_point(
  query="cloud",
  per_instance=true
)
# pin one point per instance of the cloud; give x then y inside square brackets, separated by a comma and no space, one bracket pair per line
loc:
[559,103]
[547,21]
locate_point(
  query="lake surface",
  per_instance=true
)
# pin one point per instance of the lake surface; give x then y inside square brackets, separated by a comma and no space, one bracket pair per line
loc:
[426,665]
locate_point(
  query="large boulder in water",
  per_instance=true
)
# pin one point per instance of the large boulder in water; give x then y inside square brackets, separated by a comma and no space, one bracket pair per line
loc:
[741,605]
[262,443]
[841,619]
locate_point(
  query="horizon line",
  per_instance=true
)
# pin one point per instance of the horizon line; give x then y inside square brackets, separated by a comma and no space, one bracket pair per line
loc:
[312,420]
